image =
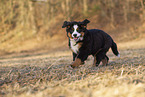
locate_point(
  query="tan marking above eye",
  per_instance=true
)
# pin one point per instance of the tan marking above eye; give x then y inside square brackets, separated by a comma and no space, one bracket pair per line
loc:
[77,28]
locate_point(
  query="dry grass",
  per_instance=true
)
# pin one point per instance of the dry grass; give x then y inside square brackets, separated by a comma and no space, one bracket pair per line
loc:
[50,75]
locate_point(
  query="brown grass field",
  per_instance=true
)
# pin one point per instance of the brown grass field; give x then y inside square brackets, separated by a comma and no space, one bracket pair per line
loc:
[49,75]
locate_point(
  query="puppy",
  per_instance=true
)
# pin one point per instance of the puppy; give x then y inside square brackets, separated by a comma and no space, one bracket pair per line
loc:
[85,42]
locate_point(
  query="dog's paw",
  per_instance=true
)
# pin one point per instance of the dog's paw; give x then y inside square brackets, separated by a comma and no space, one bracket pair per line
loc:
[72,66]
[95,65]
[76,63]
[82,63]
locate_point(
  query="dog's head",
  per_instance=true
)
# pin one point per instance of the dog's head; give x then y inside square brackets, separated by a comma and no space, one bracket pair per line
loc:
[76,30]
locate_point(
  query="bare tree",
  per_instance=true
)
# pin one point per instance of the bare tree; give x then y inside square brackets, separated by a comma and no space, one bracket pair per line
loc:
[125,10]
[85,6]
[68,9]
[143,10]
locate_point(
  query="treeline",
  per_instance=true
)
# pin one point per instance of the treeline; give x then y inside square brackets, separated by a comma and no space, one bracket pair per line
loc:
[26,18]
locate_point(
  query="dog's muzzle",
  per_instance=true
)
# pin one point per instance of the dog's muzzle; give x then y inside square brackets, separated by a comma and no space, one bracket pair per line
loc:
[76,37]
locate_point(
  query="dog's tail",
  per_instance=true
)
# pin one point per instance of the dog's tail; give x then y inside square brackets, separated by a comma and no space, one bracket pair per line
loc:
[114,49]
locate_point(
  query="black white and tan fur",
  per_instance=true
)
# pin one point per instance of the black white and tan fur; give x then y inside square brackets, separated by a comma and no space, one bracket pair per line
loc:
[85,42]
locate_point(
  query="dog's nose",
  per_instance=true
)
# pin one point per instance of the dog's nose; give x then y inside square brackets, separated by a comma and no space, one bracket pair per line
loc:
[75,35]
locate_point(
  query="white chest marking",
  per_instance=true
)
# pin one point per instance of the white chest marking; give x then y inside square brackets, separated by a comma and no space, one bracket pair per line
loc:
[73,46]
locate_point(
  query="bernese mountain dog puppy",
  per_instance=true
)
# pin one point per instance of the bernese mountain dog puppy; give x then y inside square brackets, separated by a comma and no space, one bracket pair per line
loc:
[85,42]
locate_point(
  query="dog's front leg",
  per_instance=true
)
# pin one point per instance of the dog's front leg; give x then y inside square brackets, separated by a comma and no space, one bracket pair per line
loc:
[76,63]
[81,57]
[74,56]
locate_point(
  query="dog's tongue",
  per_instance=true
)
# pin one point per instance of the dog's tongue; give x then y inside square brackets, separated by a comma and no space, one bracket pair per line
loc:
[75,38]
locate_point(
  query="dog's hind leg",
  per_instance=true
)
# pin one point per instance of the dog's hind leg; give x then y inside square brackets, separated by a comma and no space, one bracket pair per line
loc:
[94,63]
[105,60]
[99,57]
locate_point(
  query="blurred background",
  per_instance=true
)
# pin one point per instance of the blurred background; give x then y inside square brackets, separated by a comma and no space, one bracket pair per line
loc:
[35,25]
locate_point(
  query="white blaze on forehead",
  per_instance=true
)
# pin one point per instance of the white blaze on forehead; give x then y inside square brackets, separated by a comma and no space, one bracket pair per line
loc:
[75,31]
[75,27]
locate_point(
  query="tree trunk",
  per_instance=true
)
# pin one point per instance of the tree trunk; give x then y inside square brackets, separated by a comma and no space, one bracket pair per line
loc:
[68,9]
[143,10]
[125,9]
[85,7]
[112,14]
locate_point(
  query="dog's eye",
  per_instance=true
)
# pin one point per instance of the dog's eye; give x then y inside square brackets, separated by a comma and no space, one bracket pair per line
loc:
[77,29]
[72,28]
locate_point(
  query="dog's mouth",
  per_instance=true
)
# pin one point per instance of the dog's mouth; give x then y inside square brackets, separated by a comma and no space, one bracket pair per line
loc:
[79,38]
[75,38]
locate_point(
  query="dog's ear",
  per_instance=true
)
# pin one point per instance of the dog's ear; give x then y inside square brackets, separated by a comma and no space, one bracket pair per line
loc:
[84,23]
[66,24]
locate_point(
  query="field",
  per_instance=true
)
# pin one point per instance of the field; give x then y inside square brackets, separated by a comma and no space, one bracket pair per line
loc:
[49,75]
